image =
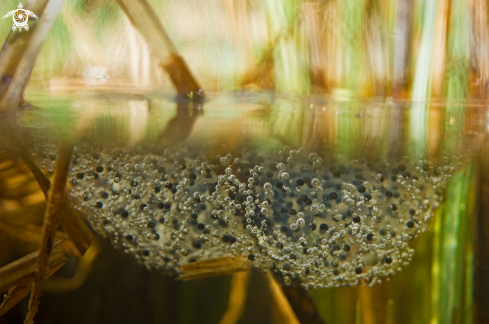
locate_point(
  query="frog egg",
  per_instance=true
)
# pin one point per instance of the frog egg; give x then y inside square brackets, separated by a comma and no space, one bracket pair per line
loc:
[301,222]
[283,176]
[324,223]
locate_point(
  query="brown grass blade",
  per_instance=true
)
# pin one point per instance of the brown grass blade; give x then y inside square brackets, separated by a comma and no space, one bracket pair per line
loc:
[146,21]
[33,233]
[312,17]
[53,210]
[40,177]
[302,305]
[287,315]
[20,291]
[83,269]
[73,224]
[213,267]
[20,270]
[237,298]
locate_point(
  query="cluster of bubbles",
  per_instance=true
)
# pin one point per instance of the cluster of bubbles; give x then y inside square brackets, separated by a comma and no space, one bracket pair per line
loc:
[321,221]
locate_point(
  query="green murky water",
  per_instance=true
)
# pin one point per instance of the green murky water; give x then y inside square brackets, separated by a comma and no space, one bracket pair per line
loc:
[319,191]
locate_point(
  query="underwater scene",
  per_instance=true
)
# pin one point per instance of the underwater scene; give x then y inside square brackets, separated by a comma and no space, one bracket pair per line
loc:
[244,162]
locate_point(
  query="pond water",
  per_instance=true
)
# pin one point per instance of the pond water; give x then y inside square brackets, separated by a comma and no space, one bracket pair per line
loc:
[366,204]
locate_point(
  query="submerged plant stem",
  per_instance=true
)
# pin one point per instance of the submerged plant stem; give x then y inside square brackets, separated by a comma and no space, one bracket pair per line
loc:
[71,221]
[20,291]
[449,250]
[53,210]
[237,298]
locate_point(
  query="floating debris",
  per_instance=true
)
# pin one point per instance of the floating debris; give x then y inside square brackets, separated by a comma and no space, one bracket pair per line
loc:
[323,221]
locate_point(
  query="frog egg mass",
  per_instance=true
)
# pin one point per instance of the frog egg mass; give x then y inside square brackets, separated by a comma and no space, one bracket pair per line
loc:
[309,218]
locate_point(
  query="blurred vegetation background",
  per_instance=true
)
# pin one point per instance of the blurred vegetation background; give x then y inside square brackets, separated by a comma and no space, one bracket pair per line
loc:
[419,49]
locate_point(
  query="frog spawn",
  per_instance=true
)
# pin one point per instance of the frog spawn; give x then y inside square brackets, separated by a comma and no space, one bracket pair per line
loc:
[317,220]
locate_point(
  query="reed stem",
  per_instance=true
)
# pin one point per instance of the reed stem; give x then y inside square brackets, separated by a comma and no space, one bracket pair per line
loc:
[53,210]
[149,26]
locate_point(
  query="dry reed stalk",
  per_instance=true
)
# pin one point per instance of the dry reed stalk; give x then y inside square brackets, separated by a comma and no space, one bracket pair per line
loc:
[312,19]
[40,177]
[19,59]
[17,190]
[285,312]
[53,210]
[302,305]
[213,267]
[73,224]
[83,269]
[21,290]
[402,47]
[71,221]
[237,298]
[149,26]
[33,233]
[80,241]
[377,49]
[479,49]
[331,46]
[24,268]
